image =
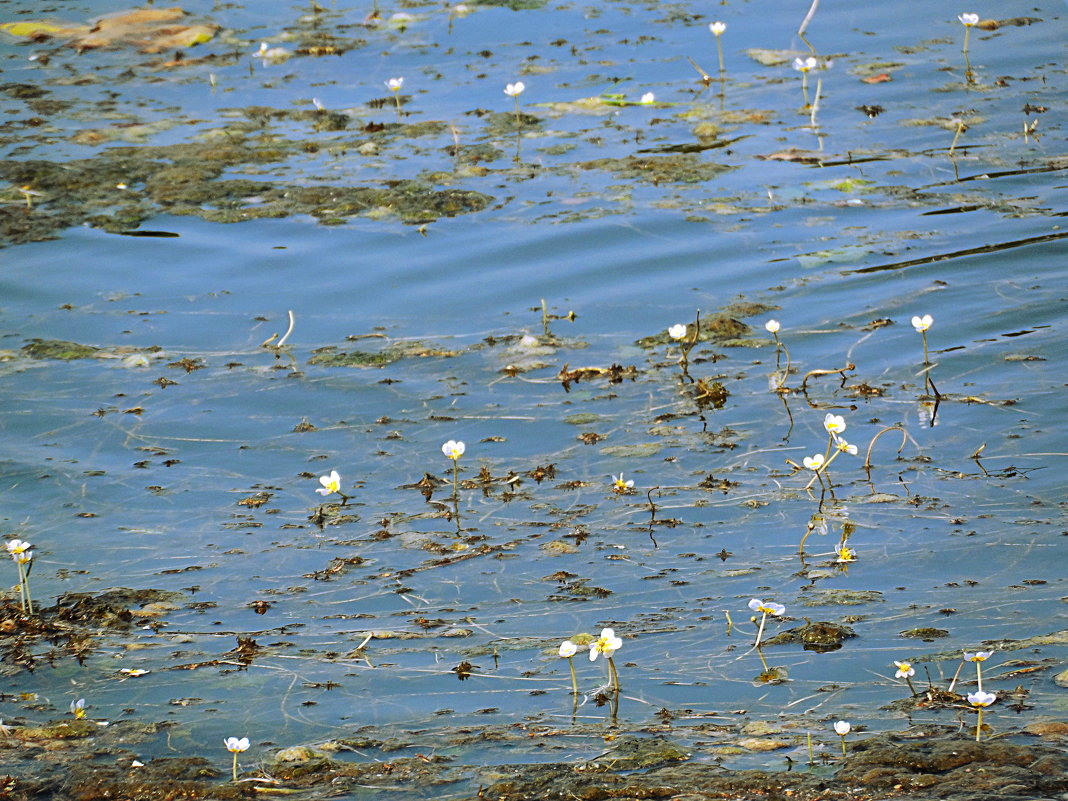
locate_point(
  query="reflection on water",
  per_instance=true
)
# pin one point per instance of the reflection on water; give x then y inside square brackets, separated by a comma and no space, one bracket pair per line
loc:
[177,454]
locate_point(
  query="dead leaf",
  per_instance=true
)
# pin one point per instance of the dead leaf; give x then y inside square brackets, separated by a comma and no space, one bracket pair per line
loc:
[882,77]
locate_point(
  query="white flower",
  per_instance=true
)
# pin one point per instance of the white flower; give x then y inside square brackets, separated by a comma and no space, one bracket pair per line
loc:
[805,64]
[905,670]
[968,20]
[454,449]
[271,54]
[921,324]
[978,656]
[677,331]
[842,728]
[813,462]
[608,643]
[834,423]
[134,672]
[648,99]
[17,546]
[23,558]
[772,326]
[718,28]
[331,483]
[514,89]
[235,745]
[77,708]
[981,699]
[845,447]
[394,84]
[619,485]
[768,608]
[845,554]
[568,649]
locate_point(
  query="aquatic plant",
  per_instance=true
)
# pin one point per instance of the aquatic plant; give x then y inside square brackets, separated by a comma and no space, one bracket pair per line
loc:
[905,671]
[842,728]
[772,327]
[567,651]
[235,747]
[332,484]
[514,90]
[718,29]
[394,85]
[77,708]
[22,556]
[765,609]
[804,66]
[608,643]
[454,449]
[621,487]
[922,325]
[680,332]
[271,55]
[648,99]
[133,672]
[978,657]
[980,701]
[969,21]
[844,554]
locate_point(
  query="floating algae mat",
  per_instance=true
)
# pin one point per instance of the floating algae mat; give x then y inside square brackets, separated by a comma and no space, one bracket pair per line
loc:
[769,356]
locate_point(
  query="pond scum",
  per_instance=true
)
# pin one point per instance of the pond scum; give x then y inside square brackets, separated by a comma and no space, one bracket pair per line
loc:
[75,756]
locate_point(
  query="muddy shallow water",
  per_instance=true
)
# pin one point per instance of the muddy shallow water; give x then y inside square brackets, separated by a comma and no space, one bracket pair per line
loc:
[461,271]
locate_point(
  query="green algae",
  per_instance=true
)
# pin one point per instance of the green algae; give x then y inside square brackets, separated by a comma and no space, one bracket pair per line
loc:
[59,349]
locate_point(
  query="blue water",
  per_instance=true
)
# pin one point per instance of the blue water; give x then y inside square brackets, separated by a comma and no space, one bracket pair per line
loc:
[630,257]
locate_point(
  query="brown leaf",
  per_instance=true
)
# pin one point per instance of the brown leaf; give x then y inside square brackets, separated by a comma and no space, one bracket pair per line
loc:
[882,77]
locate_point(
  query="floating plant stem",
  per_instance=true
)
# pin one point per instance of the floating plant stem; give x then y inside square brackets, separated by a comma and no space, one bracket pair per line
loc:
[704,75]
[867,456]
[804,23]
[840,371]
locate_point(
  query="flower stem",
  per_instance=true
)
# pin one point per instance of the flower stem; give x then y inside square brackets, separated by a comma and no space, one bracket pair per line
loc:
[719,49]
[574,680]
[235,766]
[979,725]
[760,631]
[911,688]
[843,747]
[979,675]
[613,673]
